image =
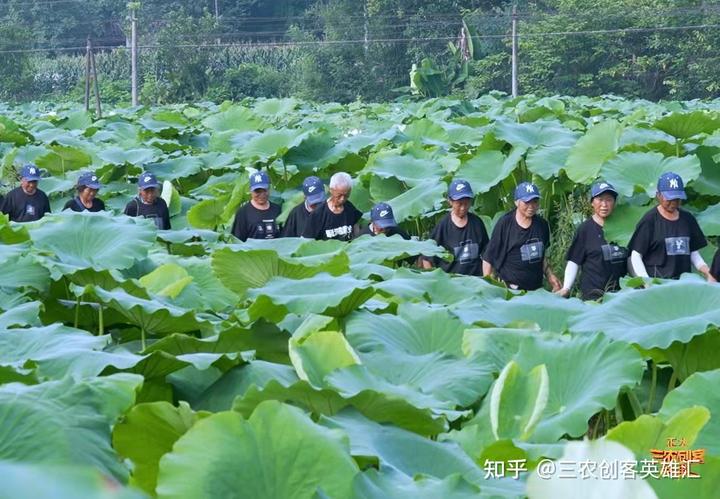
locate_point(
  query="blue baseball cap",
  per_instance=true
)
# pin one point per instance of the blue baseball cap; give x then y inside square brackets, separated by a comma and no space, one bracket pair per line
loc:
[314,190]
[259,180]
[460,189]
[89,179]
[148,180]
[671,186]
[30,172]
[526,191]
[382,216]
[600,187]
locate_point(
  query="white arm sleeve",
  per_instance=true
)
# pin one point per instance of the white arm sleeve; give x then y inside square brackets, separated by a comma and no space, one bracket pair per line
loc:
[571,271]
[637,267]
[697,260]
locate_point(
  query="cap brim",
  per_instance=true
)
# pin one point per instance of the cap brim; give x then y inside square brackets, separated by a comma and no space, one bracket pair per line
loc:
[672,195]
[525,199]
[613,191]
[315,198]
[32,178]
[462,195]
[384,223]
[259,186]
[150,186]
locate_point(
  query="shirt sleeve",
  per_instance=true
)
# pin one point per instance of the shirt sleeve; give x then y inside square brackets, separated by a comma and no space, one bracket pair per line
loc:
[697,238]
[494,247]
[131,208]
[239,228]
[576,251]
[7,204]
[715,267]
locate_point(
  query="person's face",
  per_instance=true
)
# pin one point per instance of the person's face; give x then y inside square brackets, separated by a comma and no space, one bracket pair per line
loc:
[377,230]
[311,207]
[527,208]
[460,207]
[260,196]
[29,186]
[339,195]
[603,204]
[88,193]
[671,206]
[149,195]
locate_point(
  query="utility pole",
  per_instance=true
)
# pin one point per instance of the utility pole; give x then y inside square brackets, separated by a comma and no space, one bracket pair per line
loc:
[217,21]
[133,6]
[91,74]
[87,74]
[514,76]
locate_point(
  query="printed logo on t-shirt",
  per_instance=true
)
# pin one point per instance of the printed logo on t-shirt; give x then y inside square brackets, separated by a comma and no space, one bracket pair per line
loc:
[29,210]
[613,253]
[677,246]
[466,252]
[342,232]
[266,229]
[532,251]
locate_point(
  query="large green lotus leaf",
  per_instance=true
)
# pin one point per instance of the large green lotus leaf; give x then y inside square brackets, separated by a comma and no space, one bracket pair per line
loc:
[319,294]
[10,131]
[424,197]
[426,131]
[277,453]
[629,170]
[496,345]
[176,168]
[245,269]
[709,220]
[547,161]
[417,330]
[120,155]
[686,125]
[311,151]
[704,488]
[270,144]
[152,316]
[146,433]
[276,107]
[315,355]
[208,213]
[461,134]
[655,317]
[24,271]
[648,138]
[381,249]
[619,227]
[488,168]
[700,389]
[437,287]
[544,308]
[699,354]
[585,373]
[535,134]
[21,315]
[412,171]
[391,484]
[65,422]
[97,241]
[517,401]
[709,181]
[167,280]
[62,159]
[557,485]
[205,291]
[12,233]
[237,118]
[589,153]
[59,482]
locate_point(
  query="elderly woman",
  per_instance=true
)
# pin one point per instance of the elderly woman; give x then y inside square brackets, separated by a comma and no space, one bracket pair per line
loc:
[86,200]
[257,219]
[667,239]
[26,203]
[602,263]
[148,204]
[460,232]
[336,218]
[517,248]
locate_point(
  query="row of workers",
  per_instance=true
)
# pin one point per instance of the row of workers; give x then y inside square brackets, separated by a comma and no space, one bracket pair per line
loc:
[665,244]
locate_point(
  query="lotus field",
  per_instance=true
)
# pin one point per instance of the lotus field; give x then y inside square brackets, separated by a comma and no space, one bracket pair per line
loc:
[182,363]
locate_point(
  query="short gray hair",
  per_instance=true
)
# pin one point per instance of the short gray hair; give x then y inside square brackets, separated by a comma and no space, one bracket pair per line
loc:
[341,179]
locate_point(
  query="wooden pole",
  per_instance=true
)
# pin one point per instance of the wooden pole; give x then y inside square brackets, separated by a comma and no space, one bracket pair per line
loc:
[514,76]
[133,59]
[87,76]
[98,109]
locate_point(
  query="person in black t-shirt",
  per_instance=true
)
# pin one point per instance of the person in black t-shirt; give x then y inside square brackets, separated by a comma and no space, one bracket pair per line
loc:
[257,219]
[667,239]
[87,188]
[602,263]
[461,233]
[715,267]
[336,218]
[148,204]
[26,203]
[517,248]
[314,191]
[382,221]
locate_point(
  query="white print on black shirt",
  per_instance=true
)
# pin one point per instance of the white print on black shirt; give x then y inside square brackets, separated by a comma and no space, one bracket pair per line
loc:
[677,246]
[343,230]
[29,209]
[532,251]
[613,253]
[466,252]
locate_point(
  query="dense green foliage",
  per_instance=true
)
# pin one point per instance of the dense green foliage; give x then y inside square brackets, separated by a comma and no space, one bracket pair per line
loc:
[184,364]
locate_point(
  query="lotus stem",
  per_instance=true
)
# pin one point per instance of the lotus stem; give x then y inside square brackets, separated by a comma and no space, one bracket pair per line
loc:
[653,386]
[101,323]
[595,426]
[673,381]
[77,312]
[142,338]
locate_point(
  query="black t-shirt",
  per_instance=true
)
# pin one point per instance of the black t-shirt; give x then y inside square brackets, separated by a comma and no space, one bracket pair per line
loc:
[251,223]
[465,243]
[158,211]
[390,231]
[324,224]
[21,207]
[76,205]
[715,267]
[296,221]
[665,245]
[602,264]
[517,253]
